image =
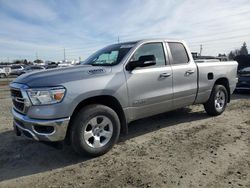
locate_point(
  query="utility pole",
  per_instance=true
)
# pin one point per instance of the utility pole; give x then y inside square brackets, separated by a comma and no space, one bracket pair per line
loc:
[36,56]
[200,49]
[118,39]
[64,56]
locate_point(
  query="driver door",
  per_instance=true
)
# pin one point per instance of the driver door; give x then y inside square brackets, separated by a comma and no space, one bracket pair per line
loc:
[150,89]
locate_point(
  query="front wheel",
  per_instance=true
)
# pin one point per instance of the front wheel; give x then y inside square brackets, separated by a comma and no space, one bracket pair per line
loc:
[95,129]
[217,102]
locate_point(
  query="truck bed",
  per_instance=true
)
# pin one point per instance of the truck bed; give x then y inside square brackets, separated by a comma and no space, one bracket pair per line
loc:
[209,72]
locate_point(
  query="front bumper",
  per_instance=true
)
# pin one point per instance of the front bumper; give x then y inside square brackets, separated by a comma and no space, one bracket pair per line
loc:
[40,130]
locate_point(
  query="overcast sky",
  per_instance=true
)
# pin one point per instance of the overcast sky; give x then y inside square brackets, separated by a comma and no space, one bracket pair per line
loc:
[81,27]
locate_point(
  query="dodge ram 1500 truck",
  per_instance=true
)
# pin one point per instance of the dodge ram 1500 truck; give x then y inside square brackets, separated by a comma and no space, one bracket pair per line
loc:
[91,104]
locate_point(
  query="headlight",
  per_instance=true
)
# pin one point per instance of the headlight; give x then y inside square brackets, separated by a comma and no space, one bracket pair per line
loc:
[41,96]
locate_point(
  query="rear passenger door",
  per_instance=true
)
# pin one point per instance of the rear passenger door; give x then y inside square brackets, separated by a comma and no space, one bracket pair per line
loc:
[184,75]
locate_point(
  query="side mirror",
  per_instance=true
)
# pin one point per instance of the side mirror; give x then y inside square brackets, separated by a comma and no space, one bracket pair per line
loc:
[144,61]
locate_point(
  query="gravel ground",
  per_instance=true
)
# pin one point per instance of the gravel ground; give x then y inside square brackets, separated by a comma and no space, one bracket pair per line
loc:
[184,148]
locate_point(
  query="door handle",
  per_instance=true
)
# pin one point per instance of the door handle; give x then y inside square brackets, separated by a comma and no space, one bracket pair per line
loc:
[165,75]
[189,72]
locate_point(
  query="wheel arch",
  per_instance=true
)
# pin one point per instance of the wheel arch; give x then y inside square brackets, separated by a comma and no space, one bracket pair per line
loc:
[224,81]
[106,100]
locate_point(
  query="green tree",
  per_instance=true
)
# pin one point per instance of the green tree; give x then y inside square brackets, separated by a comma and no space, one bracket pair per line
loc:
[18,61]
[221,55]
[25,62]
[233,54]
[38,61]
[243,49]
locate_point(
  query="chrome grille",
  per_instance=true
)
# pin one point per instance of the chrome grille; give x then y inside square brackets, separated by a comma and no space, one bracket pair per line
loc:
[17,99]
[16,93]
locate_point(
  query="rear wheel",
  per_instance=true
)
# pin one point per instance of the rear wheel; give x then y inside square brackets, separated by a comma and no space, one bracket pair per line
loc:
[95,130]
[217,101]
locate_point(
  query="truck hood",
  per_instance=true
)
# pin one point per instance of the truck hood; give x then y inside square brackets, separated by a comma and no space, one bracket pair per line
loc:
[58,76]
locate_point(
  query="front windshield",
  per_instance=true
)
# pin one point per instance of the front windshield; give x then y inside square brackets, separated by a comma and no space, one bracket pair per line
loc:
[109,56]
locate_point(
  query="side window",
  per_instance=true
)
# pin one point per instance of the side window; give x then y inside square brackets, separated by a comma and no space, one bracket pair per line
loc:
[155,49]
[178,52]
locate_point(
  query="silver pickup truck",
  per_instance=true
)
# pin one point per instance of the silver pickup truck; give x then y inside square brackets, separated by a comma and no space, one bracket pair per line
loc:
[91,104]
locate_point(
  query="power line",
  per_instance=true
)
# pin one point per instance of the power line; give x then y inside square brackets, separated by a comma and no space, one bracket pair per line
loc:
[224,16]
[95,45]
[220,39]
[207,42]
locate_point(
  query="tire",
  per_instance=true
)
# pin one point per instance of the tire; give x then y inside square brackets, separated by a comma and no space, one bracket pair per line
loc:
[95,130]
[217,102]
